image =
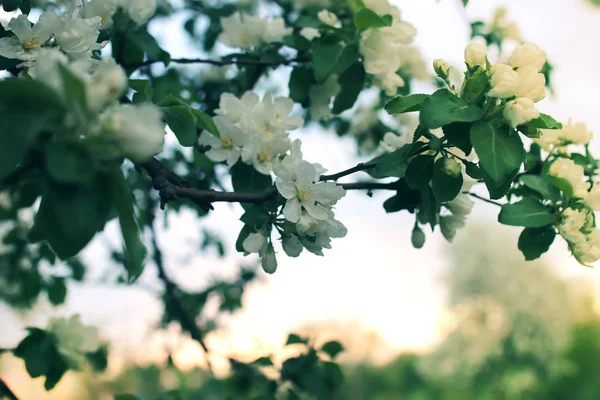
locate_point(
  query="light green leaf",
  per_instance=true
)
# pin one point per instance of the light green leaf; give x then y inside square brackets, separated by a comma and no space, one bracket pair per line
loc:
[528,212]
[68,163]
[545,121]
[443,108]
[204,121]
[183,124]
[475,87]
[365,19]
[542,185]
[500,153]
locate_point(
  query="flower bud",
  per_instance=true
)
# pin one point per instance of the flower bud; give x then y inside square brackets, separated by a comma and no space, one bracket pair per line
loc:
[520,111]
[441,68]
[310,33]
[532,84]
[451,167]
[254,242]
[476,55]
[139,11]
[106,85]
[417,238]
[269,261]
[327,17]
[504,81]
[528,55]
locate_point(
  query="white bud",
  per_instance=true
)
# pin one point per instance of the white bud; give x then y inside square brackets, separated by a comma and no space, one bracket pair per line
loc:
[528,55]
[139,11]
[476,55]
[254,242]
[106,85]
[269,261]
[310,33]
[531,84]
[441,68]
[327,17]
[292,246]
[520,111]
[504,81]
[451,167]
[417,238]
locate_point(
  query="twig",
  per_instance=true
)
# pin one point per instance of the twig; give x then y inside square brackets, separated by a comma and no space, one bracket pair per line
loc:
[370,186]
[222,63]
[357,168]
[187,321]
[5,391]
[483,199]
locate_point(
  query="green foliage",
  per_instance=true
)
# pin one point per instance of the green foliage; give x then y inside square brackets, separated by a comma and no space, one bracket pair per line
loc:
[445,186]
[533,242]
[365,19]
[404,104]
[443,108]
[528,212]
[419,172]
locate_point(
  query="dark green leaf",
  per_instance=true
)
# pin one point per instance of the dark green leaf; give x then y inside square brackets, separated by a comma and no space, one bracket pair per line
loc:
[57,291]
[528,212]
[391,164]
[301,80]
[443,108]
[445,186]
[404,199]
[419,172]
[74,88]
[126,397]
[545,121]
[458,134]
[475,87]
[183,124]
[500,153]
[295,339]
[262,362]
[147,43]
[473,170]
[429,208]
[11,5]
[543,185]
[533,242]
[246,179]
[351,82]
[324,58]
[332,348]
[404,104]
[204,121]
[68,163]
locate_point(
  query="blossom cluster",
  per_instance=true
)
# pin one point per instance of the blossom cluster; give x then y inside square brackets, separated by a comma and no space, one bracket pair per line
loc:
[247,31]
[382,48]
[520,81]
[65,42]
[74,340]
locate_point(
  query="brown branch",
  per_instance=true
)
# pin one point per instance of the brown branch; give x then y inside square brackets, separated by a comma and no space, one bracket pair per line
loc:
[370,186]
[483,199]
[223,62]
[357,168]
[5,391]
[187,321]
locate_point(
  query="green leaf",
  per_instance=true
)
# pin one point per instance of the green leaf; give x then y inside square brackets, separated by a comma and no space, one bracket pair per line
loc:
[147,43]
[73,87]
[443,108]
[429,208]
[332,348]
[473,170]
[126,397]
[545,121]
[183,124]
[324,58]
[475,87]
[533,242]
[404,199]
[445,186]
[458,134]
[497,190]
[204,121]
[135,252]
[348,57]
[528,212]
[365,19]
[391,164]
[57,291]
[500,153]
[68,163]
[262,362]
[25,6]
[301,80]
[351,82]
[11,5]
[13,147]
[69,216]
[543,185]
[404,104]
[465,2]
[419,172]
[295,339]
[246,179]
[244,233]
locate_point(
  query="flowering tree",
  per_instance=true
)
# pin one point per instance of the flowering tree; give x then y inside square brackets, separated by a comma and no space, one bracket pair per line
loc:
[85,107]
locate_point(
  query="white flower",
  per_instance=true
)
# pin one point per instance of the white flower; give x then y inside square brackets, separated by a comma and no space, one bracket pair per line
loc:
[449,224]
[273,116]
[28,40]
[73,339]
[105,9]
[291,245]
[592,198]
[461,205]
[528,55]
[572,223]
[238,110]
[504,81]
[520,111]
[268,260]
[441,68]
[46,70]
[412,63]
[139,11]
[327,17]
[254,242]
[263,152]
[275,31]
[78,35]
[588,251]
[566,169]
[137,130]
[383,7]
[392,142]
[531,84]
[227,147]
[310,33]
[571,133]
[106,84]
[476,55]
[320,97]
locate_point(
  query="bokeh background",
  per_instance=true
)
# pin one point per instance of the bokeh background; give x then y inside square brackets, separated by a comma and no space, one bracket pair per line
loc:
[470,319]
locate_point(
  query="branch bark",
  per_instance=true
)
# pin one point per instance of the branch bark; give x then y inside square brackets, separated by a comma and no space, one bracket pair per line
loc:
[222,63]
[5,391]
[357,168]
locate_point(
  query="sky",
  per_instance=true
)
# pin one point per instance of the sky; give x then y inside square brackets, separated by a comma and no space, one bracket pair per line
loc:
[372,280]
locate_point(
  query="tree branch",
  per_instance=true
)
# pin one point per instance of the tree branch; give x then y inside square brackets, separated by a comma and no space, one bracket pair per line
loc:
[5,391]
[224,62]
[357,168]
[370,186]
[187,321]
[484,199]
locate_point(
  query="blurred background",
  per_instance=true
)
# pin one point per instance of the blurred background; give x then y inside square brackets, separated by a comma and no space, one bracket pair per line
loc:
[468,320]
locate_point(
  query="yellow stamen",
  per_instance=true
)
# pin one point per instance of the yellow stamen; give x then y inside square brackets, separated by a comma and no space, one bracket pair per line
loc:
[31,44]
[304,194]
[264,156]
[227,143]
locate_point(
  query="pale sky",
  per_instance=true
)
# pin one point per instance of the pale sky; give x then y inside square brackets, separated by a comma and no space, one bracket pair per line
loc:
[373,278]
